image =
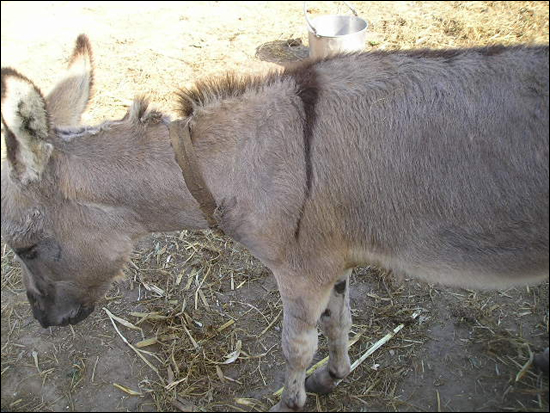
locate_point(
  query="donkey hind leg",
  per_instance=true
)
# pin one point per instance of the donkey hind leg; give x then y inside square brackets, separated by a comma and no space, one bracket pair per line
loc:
[303,304]
[336,324]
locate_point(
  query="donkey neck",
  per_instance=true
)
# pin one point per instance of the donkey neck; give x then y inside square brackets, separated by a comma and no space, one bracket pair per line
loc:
[130,167]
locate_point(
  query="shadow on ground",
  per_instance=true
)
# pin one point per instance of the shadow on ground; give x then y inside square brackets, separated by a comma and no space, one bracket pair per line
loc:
[282,51]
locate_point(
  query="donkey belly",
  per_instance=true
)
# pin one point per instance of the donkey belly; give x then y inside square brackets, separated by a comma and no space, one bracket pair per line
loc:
[452,215]
[467,234]
[466,246]
[492,272]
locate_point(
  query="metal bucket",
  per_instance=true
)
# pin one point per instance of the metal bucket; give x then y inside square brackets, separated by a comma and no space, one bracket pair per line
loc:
[334,34]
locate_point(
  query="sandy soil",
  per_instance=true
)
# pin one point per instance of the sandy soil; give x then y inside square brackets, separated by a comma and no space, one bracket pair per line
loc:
[462,354]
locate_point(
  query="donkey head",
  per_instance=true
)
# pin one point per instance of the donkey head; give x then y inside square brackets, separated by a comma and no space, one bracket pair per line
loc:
[31,201]
[72,197]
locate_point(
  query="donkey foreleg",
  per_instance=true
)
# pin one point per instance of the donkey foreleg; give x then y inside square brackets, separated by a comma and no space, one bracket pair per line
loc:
[303,303]
[335,324]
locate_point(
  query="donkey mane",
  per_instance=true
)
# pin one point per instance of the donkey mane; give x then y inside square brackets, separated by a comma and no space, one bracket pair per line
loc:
[140,113]
[230,85]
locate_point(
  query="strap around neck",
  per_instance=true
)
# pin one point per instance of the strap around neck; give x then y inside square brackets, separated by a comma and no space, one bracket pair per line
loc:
[180,136]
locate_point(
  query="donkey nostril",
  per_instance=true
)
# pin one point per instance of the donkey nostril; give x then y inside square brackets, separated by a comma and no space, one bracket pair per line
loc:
[82,313]
[65,322]
[43,322]
[31,298]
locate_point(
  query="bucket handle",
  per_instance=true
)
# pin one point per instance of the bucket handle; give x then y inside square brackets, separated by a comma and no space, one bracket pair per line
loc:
[309,21]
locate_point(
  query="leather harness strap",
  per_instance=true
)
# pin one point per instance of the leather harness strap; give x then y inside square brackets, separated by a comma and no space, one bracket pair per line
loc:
[180,136]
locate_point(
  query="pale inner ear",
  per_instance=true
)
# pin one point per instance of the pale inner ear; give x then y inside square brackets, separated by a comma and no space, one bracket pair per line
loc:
[25,117]
[69,98]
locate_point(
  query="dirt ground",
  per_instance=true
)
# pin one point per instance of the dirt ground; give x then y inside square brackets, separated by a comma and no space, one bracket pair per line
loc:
[209,311]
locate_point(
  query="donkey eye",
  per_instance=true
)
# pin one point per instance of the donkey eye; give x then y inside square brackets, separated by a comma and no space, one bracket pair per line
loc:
[27,253]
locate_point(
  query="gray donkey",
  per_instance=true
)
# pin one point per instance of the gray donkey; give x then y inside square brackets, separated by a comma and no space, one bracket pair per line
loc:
[429,163]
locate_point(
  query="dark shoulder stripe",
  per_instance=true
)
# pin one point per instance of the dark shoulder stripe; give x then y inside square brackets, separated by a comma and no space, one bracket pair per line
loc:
[307,82]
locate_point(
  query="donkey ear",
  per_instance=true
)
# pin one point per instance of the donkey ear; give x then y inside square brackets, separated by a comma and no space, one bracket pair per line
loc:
[26,127]
[69,98]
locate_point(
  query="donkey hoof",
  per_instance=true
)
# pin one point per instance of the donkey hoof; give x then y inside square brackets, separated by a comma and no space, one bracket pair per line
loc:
[320,382]
[282,407]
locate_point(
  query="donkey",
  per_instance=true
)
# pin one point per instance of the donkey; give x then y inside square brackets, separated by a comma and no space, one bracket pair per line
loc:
[429,163]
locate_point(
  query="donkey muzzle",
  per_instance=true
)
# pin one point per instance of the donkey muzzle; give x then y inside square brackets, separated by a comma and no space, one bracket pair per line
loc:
[47,321]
